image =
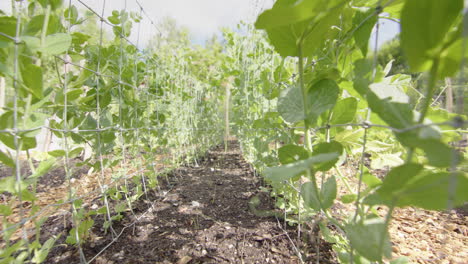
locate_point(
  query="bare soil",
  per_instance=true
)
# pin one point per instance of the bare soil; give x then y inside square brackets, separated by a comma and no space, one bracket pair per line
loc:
[200,216]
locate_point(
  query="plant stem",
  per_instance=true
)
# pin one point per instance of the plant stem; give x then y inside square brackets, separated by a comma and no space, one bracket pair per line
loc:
[307,140]
[430,90]
[44,29]
[427,100]
[343,179]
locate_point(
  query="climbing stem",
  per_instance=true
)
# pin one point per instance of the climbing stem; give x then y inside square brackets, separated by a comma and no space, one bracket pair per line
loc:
[430,90]
[342,177]
[427,99]
[45,25]
[307,139]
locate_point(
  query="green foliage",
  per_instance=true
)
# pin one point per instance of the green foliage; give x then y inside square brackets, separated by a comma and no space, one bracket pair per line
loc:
[370,239]
[105,98]
[392,51]
[364,21]
[338,96]
[285,172]
[292,127]
[426,27]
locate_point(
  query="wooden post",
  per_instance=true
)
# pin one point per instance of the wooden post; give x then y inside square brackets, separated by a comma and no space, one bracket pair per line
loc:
[2,94]
[449,95]
[460,101]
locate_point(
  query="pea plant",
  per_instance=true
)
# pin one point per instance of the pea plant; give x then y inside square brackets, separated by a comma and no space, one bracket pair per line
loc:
[123,114]
[312,97]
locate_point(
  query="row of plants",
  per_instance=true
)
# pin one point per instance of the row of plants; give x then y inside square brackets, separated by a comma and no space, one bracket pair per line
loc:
[135,113]
[311,97]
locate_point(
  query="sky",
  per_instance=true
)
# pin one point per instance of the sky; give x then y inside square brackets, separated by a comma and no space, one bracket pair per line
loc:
[202,17]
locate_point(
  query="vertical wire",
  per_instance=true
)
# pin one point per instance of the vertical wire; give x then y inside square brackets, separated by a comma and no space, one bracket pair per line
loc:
[101,178]
[374,73]
[452,186]
[137,84]
[66,146]
[152,108]
[122,128]
[17,8]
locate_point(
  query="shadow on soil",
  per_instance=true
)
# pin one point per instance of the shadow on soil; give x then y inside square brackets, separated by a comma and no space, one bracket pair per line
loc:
[201,216]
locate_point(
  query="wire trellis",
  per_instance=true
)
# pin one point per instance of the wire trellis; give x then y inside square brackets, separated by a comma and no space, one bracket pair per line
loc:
[134,134]
[131,134]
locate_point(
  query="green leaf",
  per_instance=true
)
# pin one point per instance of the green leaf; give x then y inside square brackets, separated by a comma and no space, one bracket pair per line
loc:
[364,21]
[310,196]
[400,260]
[7,184]
[57,153]
[26,142]
[397,178]
[40,255]
[439,154]
[120,207]
[392,91]
[108,137]
[327,234]
[71,238]
[292,153]
[33,43]
[287,12]
[363,70]
[424,26]
[32,78]
[348,198]
[56,44]
[35,24]
[330,147]
[451,59]
[7,160]
[26,195]
[350,138]
[7,27]
[8,140]
[344,111]
[383,160]
[370,239]
[114,20]
[291,106]
[397,115]
[370,180]
[71,14]
[328,192]
[75,152]
[286,172]
[44,167]
[290,27]
[322,96]
[5,210]
[435,191]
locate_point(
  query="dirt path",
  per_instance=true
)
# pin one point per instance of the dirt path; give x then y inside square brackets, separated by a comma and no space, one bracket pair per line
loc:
[201,216]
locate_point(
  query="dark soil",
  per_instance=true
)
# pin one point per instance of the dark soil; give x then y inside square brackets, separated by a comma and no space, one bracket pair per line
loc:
[54,178]
[201,215]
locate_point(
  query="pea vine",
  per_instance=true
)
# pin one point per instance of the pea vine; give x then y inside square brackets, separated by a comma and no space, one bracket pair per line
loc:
[126,115]
[302,92]
[340,105]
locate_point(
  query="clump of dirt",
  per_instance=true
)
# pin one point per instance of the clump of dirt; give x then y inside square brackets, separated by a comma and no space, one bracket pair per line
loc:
[201,215]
